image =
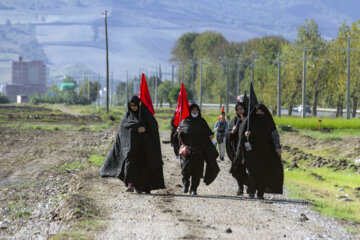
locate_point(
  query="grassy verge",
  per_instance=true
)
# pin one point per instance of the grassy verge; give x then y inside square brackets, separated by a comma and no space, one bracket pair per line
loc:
[334,135]
[61,127]
[96,160]
[313,122]
[327,190]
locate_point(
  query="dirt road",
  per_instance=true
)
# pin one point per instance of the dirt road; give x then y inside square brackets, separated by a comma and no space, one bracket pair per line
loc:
[40,189]
[214,214]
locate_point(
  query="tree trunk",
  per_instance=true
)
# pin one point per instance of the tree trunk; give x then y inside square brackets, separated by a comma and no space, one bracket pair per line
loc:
[315,103]
[338,107]
[170,103]
[341,107]
[355,99]
[290,110]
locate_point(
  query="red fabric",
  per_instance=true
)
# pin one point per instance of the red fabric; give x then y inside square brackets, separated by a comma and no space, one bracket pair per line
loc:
[182,106]
[222,110]
[144,94]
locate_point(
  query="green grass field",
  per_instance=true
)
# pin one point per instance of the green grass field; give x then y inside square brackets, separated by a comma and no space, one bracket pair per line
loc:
[326,191]
[313,122]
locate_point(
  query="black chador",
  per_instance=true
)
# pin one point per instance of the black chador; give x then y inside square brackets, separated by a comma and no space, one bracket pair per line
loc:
[195,133]
[265,170]
[135,157]
[237,169]
[174,140]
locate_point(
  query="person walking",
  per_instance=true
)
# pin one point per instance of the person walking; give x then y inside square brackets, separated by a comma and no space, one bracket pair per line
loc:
[196,149]
[237,169]
[135,157]
[221,127]
[260,148]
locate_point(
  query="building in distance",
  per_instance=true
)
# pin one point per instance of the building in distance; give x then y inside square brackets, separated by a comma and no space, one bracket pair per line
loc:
[27,79]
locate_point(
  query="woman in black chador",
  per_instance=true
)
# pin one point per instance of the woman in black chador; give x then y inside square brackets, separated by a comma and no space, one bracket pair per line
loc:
[196,134]
[135,157]
[263,158]
[237,169]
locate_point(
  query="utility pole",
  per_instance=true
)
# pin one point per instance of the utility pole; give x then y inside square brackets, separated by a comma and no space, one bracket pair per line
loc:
[127,87]
[89,86]
[192,73]
[227,89]
[222,80]
[252,69]
[98,90]
[238,77]
[201,81]
[348,81]
[107,63]
[112,89]
[279,87]
[83,93]
[304,86]
[156,86]
[172,75]
[183,71]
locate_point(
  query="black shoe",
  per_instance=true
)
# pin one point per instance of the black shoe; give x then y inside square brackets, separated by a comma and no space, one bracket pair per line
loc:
[260,197]
[185,188]
[147,192]
[251,195]
[193,192]
[222,159]
[138,191]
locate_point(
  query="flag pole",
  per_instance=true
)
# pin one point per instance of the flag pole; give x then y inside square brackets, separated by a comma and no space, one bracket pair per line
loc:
[249,110]
[140,111]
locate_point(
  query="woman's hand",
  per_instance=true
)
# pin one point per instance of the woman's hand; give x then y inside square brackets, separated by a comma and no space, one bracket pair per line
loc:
[141,129]
[247,133]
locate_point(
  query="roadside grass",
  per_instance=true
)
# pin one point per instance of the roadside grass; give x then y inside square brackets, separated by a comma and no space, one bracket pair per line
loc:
[69,166]
[334,135]
[19,211]
[313,122]
[60,127]
[83,230]
[353,230]
[96,160]
[325,188]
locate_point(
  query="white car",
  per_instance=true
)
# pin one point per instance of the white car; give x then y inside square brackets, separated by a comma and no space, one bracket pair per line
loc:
[300,109]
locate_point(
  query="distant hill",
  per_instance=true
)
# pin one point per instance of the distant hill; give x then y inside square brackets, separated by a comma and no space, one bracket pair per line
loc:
[142,33]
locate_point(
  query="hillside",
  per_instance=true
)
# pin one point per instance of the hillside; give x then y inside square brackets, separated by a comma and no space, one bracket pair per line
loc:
[142,34]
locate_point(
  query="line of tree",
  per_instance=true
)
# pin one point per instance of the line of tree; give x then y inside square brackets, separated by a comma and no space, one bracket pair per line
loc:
[326,66]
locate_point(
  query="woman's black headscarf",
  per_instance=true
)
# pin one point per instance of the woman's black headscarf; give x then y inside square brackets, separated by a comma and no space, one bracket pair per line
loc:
[192,106]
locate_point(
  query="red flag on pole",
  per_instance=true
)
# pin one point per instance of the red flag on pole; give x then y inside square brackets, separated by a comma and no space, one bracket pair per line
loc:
[222,110]
[182,108]
[144,94]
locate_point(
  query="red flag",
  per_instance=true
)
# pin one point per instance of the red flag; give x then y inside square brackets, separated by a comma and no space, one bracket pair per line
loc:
[182,107]
[144,94]
[222,110]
